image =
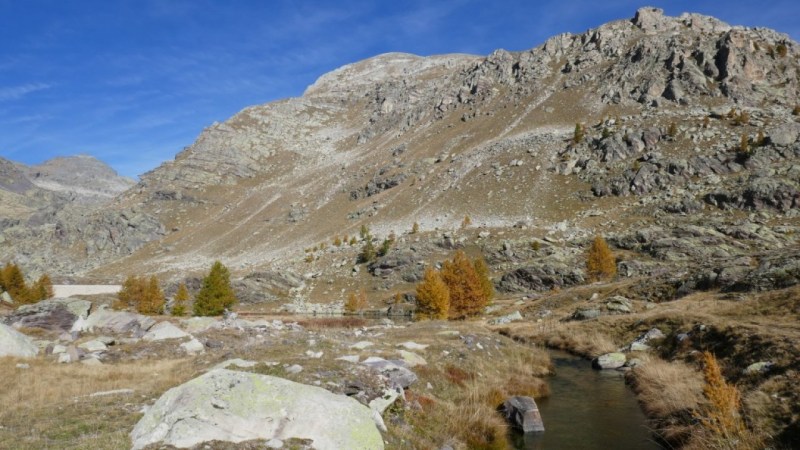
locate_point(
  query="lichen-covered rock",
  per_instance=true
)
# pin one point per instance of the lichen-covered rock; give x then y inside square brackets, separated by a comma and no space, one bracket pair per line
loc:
[609,361]
[233,406]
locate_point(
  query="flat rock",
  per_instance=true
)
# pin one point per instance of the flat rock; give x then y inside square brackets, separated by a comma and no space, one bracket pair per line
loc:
[619,304]
[233,406]
[395,371]
[508,318]
[349,358]
[163,331]
[361,345]
[193,347]
[411,345]
[412,359]
[200,324]
[236,362]
[759,367]
[95,345]
[14,343]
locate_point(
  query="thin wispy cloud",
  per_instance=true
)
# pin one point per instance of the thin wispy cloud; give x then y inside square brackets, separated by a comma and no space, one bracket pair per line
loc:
[17,92]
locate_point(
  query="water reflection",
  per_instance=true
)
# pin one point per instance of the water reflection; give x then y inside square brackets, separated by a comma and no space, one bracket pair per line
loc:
[587,409]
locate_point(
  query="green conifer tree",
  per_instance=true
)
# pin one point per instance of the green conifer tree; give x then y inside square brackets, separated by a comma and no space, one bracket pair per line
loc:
[216,295]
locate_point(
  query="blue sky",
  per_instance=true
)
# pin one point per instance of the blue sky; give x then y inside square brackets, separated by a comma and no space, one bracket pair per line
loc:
[134,82]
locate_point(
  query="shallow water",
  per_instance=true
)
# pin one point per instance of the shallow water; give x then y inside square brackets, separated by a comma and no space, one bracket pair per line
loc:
[587,409]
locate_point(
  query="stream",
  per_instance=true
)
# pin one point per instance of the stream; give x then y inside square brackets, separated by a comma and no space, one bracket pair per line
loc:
[587,409]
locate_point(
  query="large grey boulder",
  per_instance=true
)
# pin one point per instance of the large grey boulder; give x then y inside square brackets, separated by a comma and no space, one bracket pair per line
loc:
[164,330]
[115,322]
[233,406]
[56,314]
[14,343]
[522,413]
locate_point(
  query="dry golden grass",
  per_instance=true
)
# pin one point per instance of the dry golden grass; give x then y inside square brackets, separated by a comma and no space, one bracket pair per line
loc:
[48,405]
[460,409]
[321,323]
[722,424]
[667,388]
[574,337]
[669,393]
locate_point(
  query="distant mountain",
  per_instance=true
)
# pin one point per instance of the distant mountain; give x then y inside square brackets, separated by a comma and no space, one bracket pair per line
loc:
[82,175]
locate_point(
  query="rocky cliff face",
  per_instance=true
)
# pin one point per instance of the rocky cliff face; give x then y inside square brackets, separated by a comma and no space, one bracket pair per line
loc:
[665,103]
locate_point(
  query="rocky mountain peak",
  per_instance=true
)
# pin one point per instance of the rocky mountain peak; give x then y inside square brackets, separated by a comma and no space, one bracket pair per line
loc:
[382,69]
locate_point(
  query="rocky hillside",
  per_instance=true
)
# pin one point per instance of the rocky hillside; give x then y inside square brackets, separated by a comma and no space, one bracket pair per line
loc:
[665,103]
[44,203]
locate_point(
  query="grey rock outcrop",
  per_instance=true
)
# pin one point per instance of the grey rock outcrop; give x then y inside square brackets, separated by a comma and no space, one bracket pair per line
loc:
[114,322]
[233,406]
[54,315]
[14,343]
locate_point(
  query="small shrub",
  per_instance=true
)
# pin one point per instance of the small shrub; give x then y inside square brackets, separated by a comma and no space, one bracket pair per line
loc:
[606,132]
[672,130]
[356,301]
[337,241]
[536,246]
[781,50]
[309,258]
[742,118]
[364,231]
[578,134]
[796,111]
[600,262]
[42,289]
[415,228]
[368,253]
[387,245]
[760,139]
[706,122]
[466,222]
[744,144]
[181,301]
[353,241]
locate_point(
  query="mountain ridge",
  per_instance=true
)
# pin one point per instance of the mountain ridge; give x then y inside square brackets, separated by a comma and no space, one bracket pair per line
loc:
[398,138]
